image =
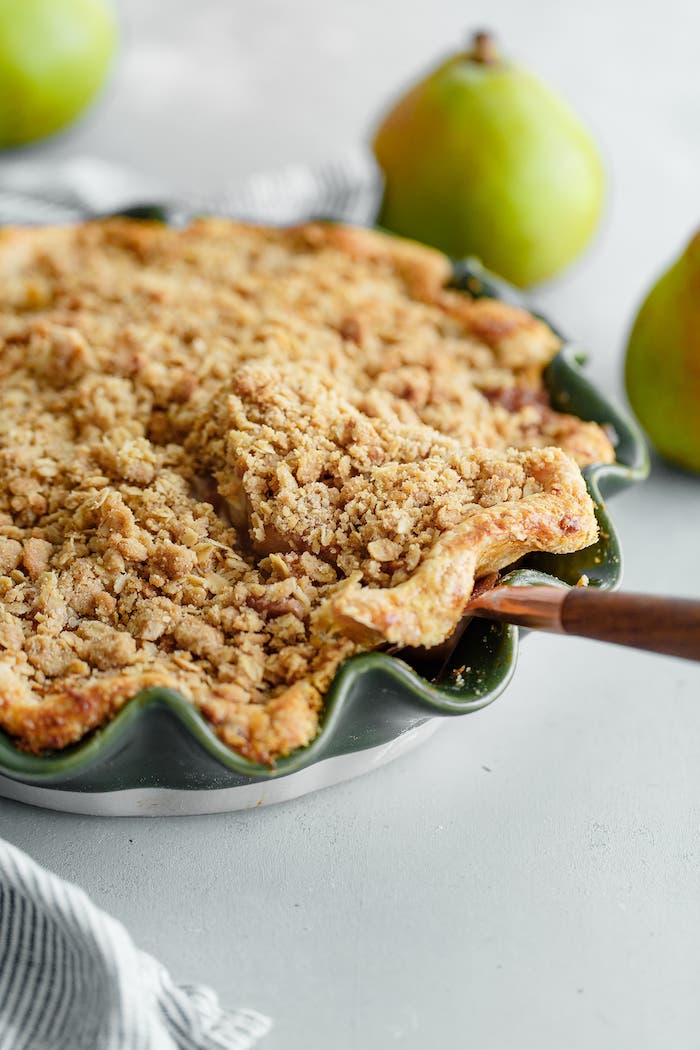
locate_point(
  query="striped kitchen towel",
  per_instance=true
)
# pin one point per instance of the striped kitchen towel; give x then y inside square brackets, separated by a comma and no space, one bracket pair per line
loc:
[70,976]
[347,188]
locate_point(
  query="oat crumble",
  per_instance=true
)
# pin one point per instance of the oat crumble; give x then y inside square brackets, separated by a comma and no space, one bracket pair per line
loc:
[232,456]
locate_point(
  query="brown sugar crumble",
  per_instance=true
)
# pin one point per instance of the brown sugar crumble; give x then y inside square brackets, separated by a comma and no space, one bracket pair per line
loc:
[233,456]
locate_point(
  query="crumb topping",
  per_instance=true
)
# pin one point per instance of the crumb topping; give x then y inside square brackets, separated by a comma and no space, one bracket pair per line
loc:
[230,457]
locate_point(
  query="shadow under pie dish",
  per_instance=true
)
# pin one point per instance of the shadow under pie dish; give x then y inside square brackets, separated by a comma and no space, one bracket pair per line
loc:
[236,459]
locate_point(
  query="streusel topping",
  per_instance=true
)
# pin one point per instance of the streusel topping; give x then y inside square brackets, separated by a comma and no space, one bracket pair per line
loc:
[225,450]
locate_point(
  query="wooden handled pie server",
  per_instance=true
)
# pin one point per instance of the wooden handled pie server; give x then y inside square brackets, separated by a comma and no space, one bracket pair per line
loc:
[644,621]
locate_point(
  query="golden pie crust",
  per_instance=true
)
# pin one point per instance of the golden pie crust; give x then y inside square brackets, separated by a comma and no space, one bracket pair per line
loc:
[232,456]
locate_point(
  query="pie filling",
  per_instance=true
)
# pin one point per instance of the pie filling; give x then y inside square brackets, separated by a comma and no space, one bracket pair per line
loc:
[232,456]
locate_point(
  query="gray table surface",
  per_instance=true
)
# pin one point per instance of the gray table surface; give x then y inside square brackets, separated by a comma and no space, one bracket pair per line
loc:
[530,875]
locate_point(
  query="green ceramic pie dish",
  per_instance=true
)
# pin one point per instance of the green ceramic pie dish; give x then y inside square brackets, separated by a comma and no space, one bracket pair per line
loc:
[159,740]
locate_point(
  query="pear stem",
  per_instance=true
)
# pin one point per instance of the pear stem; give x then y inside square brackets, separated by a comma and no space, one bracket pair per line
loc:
[483,49]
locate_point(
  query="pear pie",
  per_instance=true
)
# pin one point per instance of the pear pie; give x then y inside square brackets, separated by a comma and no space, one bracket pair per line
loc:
[233,456]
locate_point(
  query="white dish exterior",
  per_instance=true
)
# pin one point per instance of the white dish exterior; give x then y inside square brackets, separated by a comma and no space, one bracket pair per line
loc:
[170,802]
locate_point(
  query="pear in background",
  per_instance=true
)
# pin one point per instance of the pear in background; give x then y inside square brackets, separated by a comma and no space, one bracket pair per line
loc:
[482,158]
[662,371]
[54,57]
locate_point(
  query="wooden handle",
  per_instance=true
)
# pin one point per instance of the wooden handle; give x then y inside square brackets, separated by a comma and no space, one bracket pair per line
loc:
[644,621]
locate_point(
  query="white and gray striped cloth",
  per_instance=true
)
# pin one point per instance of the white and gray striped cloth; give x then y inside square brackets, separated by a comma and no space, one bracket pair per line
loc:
[70,976]
[347,188]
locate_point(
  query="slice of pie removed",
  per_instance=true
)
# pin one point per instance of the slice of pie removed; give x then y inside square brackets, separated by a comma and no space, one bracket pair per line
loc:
[410,517]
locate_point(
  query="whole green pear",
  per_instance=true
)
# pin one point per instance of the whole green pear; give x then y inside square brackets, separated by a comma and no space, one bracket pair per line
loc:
[662,369]
[482,158]
[54,57]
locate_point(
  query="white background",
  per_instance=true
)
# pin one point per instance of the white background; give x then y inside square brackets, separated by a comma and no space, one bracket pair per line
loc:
[530,877]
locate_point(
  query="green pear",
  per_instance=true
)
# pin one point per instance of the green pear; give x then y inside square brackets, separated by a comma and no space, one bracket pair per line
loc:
[482,158]
[54,57]
[662,369]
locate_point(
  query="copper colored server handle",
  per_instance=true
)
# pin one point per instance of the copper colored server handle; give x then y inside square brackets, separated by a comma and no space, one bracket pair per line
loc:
[643,621]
